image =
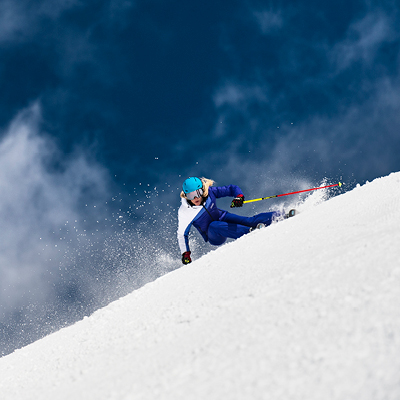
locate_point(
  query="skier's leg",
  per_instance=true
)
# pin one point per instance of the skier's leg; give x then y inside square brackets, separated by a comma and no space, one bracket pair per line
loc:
[264,218]
[219,231]
[234,226]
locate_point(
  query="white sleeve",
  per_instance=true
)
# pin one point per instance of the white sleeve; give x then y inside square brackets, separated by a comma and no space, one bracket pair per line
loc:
[186,215]
[184,224]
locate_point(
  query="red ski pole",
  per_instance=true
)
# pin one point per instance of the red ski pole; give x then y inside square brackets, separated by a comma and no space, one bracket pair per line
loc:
[299,191]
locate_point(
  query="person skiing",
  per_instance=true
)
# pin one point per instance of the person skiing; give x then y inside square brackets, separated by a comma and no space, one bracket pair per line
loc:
[199,208]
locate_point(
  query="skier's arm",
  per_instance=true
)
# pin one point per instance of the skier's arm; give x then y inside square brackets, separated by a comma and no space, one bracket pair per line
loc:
[184,246]
[183,241]
[226,191]
[184,224]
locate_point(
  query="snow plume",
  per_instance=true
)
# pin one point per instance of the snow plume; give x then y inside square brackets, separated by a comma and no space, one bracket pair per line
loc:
[67,246]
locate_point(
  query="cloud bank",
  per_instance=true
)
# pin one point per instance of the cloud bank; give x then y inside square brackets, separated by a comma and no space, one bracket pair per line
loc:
[45,197]
[40,192]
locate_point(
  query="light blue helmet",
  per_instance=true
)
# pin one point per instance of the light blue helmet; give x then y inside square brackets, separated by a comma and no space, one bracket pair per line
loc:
[191,185]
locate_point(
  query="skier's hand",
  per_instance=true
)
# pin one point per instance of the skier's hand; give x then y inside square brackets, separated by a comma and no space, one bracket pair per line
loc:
[237,201]
[186,258]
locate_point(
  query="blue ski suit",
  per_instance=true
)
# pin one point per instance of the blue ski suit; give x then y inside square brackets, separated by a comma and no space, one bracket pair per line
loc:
[216,225]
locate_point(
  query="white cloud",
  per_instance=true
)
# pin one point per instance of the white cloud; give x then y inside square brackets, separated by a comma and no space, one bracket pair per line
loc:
[12,20]
[20,20]
[363,40]
[269,21]
[239,95]
[41,191]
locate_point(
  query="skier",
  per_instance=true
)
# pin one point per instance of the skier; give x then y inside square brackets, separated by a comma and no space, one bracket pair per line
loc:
[198,208]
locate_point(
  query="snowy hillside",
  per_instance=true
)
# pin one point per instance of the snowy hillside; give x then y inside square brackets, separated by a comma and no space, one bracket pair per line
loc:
[308,308]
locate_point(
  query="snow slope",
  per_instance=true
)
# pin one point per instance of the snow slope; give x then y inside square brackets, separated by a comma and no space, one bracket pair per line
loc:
[308,308]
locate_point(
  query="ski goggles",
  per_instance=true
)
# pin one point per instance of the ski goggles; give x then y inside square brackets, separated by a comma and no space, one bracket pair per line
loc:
[196,193]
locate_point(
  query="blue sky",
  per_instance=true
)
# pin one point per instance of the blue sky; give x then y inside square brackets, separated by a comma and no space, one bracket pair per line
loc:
[109,105]
[156,86]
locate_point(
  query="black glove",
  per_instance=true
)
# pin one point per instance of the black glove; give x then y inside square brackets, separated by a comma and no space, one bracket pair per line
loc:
[237,201]
[186,258]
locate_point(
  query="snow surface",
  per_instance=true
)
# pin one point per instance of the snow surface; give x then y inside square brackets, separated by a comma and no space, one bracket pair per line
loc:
[308,308]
